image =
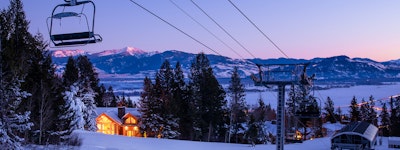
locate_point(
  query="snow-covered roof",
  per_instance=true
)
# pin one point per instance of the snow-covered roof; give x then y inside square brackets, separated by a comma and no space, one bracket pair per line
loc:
[363,129]
[394,140]
[112,112]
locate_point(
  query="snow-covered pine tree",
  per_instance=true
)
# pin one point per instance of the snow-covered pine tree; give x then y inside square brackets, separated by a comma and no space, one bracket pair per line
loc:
[238,105]
[14,49]
[89,111]
[70,107]
[75,107]
[12,122]
[354,110]
[149,108]
[88,83]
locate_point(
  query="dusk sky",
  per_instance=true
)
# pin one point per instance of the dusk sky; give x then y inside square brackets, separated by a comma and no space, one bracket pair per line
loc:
[301,28]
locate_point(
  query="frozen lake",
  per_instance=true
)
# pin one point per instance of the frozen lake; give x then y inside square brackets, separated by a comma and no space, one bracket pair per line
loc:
[340,96]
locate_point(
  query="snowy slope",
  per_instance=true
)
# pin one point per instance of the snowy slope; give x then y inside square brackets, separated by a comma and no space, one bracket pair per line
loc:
[99,141]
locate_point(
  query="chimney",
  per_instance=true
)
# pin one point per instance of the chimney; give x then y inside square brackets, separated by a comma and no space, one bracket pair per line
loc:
[121,111]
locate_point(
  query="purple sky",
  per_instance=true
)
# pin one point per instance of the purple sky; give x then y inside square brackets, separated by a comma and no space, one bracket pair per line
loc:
[302,29]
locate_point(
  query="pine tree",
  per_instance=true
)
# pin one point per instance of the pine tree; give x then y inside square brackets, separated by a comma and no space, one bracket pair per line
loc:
[372,114]
[165,79]
[42,83]
[130,102]
[89,111]
[395,116]
[68,119]
[150,107]
[181,96]
[260,113]
[364,110]
[17,42]
[252,131]
[271,113]
[209,100]
[12,123]
[330,110]
[339,114]
[109,98]
[354,110]
[75,107]
[88,84]
[238,105]
[385,120]
[71,73]
[101,96]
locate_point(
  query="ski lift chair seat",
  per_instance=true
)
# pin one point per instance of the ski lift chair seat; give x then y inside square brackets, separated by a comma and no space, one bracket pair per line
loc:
[77,38]
[65,14]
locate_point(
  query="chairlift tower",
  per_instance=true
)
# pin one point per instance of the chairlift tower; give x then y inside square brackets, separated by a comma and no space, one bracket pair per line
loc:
[281,75]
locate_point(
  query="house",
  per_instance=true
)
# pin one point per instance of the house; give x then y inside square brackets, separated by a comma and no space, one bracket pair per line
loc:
[394,142]
[355,135]
[118,121]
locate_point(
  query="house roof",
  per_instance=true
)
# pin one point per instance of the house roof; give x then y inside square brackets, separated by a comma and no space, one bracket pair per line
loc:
[112,112]
[363,129]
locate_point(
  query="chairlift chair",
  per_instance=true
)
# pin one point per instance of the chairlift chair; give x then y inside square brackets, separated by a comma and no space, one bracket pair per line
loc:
[75,38]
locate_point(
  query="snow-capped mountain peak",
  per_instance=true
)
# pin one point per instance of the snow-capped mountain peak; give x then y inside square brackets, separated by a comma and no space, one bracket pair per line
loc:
[67,53]
[132,51]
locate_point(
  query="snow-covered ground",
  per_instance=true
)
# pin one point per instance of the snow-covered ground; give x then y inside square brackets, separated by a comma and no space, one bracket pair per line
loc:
[99,141]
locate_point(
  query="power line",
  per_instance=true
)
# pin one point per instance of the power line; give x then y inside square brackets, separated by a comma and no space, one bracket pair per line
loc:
[201,43]
[222,28]
[269,39]
[198,23]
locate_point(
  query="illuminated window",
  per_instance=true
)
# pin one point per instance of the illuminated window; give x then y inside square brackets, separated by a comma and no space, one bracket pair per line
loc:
[131,131]
[105,125]
[130,120]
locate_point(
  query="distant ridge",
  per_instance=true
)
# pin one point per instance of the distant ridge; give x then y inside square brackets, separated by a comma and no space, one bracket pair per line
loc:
[139,63]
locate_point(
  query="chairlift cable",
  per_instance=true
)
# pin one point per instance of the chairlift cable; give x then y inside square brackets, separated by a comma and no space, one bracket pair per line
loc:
[165,21]
[223,29]
[201,25]
[269,39]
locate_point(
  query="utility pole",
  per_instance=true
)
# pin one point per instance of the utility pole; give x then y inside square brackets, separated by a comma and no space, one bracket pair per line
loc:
[292,76]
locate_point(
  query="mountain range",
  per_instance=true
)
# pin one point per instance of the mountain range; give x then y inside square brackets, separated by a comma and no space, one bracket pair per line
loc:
[138,63]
